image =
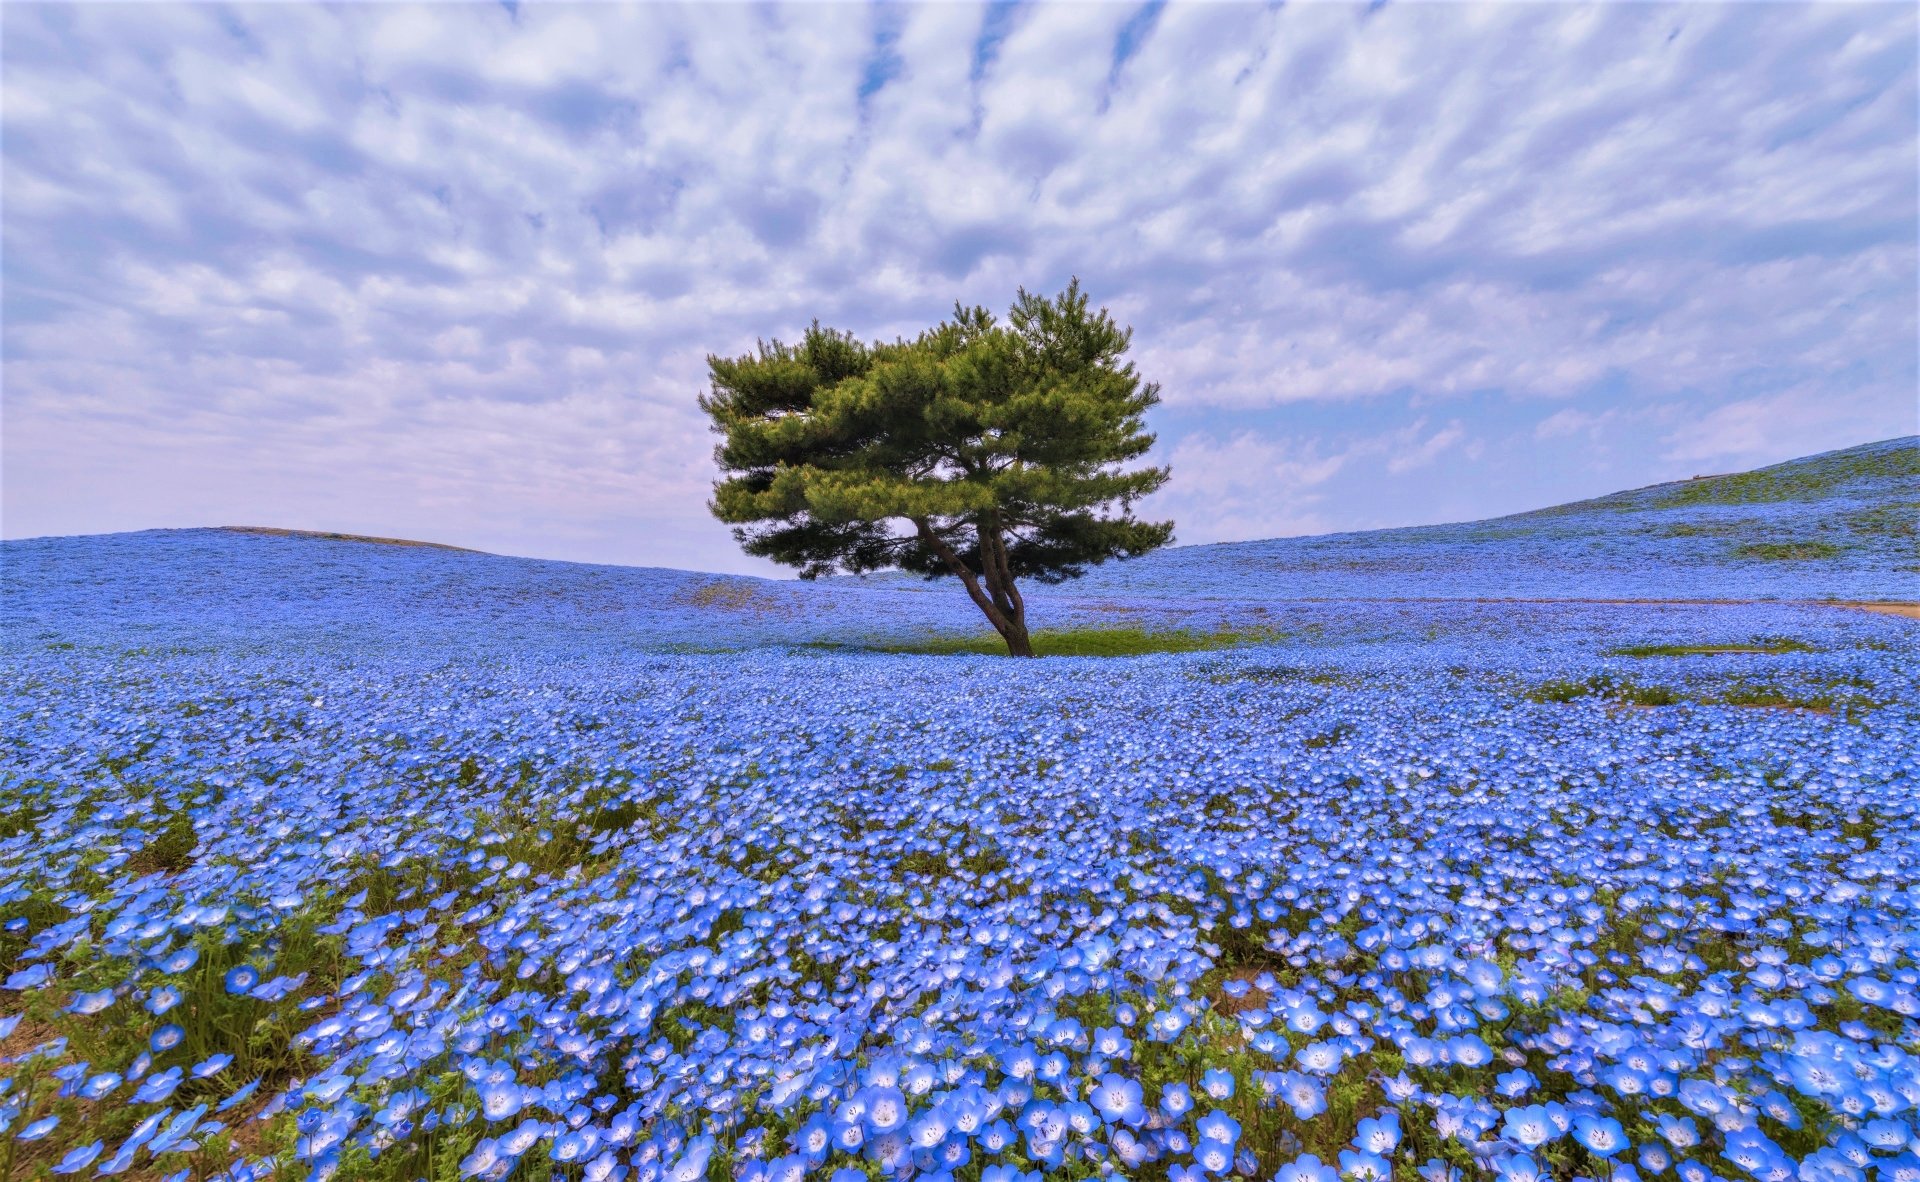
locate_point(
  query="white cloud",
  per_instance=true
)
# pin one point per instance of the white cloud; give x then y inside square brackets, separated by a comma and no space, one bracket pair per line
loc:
[498,247]
[1245,486]
[1800,421]
[1562,424]
[1411,451]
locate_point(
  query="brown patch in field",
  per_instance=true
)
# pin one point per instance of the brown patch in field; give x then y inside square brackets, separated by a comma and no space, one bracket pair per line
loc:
[273,531]
[1252,999]
[25,1037]
[733,595]
[1910,611]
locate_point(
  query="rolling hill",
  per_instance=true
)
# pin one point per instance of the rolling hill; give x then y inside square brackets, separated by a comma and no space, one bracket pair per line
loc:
[1837,526]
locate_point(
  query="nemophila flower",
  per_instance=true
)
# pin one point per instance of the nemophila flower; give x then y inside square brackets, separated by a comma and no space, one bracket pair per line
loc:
[167,1037]
[1218,1126]
[1518,1167]
[211,1066]
[1167,1025]
[1320,1058]
[1304,1094]
[481,1161]
[90,1003]
[179,960]
[31,977]
[38,1129]
[886,1109]
[1529,1126]
[525,1135]
[501,1101]
[1679,1131]
[1306,1168]
[572,1145]
[1118,1101]
[1213,1157]
[605,1168]
[1903,1168]
[239,1097]
[1601,1135]
[78,1158]
[241,978]
[928,1129]
[1379,1134]
[1886,1134]
[1363,1167]
[162,999]
[1217,1083]
[159,1086]
[1176,1099]
[1112,1041]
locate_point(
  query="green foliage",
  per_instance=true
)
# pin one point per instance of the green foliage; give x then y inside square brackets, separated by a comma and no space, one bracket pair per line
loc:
[1802,479]
[984,452]
[1786,551]
[1771,647]
[1091,642]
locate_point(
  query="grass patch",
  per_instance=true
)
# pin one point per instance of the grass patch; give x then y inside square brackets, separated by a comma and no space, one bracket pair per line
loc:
[1786,551]
[1767,647]
[1088,642]
[1889,462]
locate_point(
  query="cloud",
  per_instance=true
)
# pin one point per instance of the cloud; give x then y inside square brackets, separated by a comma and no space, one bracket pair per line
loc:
[1245,486]
[1563,424]
[1413,452]
[1754,431]
[455,269]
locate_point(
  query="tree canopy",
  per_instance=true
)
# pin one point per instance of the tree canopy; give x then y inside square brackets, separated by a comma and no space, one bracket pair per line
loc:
[985,452]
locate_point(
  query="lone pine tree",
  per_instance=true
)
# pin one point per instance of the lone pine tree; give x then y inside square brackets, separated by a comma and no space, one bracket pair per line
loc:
[986,452]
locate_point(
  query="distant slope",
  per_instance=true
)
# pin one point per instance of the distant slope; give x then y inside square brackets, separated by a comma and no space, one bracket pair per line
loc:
[1835,526]
[1840,525]
[243,585]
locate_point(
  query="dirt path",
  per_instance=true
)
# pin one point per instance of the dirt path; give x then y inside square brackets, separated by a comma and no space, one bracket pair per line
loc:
[1910,611]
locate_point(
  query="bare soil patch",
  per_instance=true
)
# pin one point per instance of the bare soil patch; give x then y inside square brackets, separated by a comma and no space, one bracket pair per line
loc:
[273,531]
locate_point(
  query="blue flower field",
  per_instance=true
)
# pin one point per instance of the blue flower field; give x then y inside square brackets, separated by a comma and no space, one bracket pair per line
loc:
[329,858]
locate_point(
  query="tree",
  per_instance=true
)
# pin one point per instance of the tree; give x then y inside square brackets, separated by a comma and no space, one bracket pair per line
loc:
[979,451]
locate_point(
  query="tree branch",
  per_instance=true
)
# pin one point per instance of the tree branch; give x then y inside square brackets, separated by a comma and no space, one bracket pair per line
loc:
[993,554]
[980,598]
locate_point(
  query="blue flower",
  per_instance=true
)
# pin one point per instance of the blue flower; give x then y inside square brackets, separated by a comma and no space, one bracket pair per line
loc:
[1378,1135]
[180,959]
[1529,1126]
[1306,1169]
[1118,1100]
[1217,1083]
[1175,1099]
[78,1158]
[886,1109]
[1601,1135]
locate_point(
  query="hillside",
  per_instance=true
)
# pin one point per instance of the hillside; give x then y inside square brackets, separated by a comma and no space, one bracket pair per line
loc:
[1840,525]
[1834,526]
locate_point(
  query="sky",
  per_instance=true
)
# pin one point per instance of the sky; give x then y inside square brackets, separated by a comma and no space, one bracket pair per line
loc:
[452,272]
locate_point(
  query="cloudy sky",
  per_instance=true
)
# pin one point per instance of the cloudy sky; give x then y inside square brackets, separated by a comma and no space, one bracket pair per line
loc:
[451,272]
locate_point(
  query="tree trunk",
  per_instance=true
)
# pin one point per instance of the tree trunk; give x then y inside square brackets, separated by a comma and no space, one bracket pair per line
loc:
[997,601]
[1018,642]
[999,575]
